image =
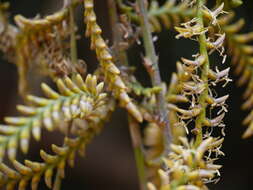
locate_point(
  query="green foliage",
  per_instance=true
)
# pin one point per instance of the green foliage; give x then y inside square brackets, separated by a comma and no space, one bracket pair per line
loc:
[230,3]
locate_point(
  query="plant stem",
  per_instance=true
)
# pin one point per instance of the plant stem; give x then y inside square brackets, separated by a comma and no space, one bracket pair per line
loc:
[138,151]
[73,47]
[155,74]
[204,76]
[57,182]
[133,125]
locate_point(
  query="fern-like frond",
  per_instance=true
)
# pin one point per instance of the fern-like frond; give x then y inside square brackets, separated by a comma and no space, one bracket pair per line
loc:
[77,99]
[241,51]
[33,171]
[111,72]
[169,14]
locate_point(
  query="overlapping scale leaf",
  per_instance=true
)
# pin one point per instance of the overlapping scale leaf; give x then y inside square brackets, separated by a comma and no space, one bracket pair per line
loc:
[76,99]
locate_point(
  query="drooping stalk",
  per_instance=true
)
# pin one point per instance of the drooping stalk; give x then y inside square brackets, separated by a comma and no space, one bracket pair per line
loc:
[138,151]
[155,73]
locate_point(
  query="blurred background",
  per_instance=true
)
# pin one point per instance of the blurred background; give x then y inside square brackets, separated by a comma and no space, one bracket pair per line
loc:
[109,163]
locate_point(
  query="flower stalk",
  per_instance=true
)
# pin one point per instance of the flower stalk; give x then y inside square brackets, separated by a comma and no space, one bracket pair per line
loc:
[204,75]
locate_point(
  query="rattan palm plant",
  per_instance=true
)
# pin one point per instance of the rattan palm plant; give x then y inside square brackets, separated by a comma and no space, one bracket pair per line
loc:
[171,125]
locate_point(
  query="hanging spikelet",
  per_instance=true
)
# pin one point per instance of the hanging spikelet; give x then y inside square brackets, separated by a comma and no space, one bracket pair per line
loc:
[77,99]
[112,73]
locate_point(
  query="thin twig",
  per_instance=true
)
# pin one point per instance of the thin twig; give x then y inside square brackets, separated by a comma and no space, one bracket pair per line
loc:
[133,125]
[155,73]
[138,151]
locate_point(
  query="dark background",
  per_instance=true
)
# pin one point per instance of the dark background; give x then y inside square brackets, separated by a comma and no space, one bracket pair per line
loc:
[109,163]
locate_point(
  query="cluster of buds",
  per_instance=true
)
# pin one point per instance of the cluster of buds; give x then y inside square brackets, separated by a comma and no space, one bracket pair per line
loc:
[188,167]
[192,86]
[196,78]
[111,72]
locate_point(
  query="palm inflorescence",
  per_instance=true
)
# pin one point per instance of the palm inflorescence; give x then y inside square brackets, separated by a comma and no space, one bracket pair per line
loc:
[171,125]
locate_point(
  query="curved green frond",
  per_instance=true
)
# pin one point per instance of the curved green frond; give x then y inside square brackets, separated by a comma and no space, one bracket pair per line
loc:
[76,99]
[32,172]
[168,15]
[241,51]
